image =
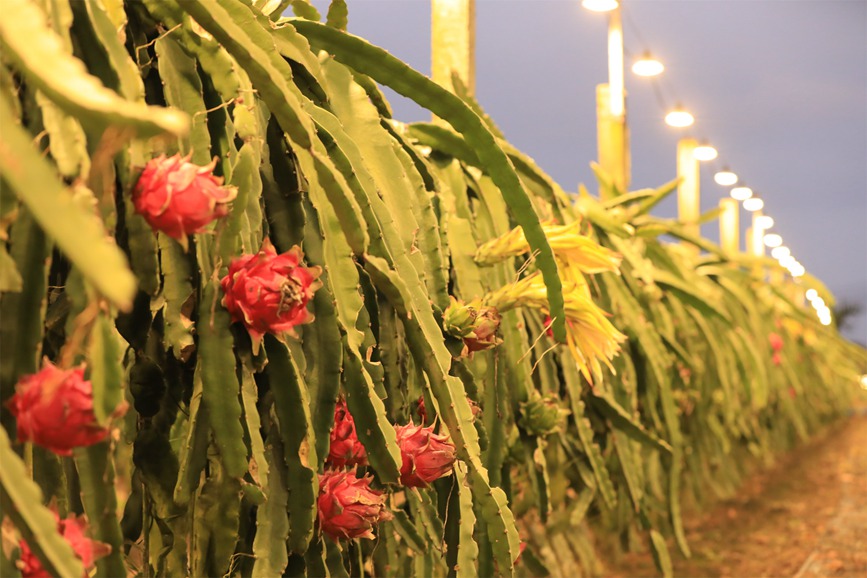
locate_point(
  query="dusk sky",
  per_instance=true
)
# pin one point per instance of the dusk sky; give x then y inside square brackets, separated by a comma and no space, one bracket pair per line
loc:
[779,87]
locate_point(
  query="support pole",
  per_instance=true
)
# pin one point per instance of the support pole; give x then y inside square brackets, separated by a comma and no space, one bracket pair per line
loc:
[611,129]
[755,237]
[729,226]
[757,244]
[453,42]
[612,143]
[688,206]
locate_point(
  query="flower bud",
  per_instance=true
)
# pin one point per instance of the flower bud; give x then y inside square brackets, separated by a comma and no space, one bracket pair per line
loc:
[473,322]
[348,508]
[268,292]
[54,409]
[345,449]
[458,318]
[73,531]
[541,416]
[178,197]
[426,456]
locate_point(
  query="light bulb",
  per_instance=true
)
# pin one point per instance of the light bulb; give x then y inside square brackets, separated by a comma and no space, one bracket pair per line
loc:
[780,252]
[797,270]
[647,65]
[811,294]
[753,204]
[864,381]
[764,221]
[600,5]
[725,178]
[818,303]
[741,194]
[704,153]
[773,240]
[679,118]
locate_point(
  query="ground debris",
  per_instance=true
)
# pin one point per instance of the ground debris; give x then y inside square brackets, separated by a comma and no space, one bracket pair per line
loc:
[805,517]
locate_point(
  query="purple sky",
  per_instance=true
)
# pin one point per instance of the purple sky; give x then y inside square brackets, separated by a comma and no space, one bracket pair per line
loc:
[779,87]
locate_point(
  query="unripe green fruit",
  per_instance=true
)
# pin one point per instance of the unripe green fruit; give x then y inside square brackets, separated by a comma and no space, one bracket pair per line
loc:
[542,415]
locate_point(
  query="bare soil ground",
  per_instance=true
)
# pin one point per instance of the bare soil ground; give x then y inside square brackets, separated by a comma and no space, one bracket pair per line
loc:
[805,517]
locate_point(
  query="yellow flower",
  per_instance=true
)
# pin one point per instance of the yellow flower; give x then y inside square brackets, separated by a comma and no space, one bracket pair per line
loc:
[567,242]
[590,336]
[571,274]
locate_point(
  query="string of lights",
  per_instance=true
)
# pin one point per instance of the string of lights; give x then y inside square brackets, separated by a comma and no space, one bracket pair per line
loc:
[646,65]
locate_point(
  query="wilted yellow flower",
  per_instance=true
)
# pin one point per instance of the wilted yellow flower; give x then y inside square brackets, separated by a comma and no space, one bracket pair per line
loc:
[571,274]
[590,336]
[567,242]
[525,292]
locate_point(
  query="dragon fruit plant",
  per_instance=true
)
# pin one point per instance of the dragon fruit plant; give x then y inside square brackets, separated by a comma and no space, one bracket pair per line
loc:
[250,321]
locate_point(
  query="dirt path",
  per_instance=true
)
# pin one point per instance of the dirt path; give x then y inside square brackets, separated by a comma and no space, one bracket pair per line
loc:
[842,549]
[804,518]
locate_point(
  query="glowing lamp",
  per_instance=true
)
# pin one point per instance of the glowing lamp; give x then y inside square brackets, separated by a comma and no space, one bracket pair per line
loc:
[741,193]
[725,178]
[765,222]
[780,252]
[647,65]
[704,153]
[825,319]
[679,118]
[600,5]
[811,294]
[753,204]
[773,240]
